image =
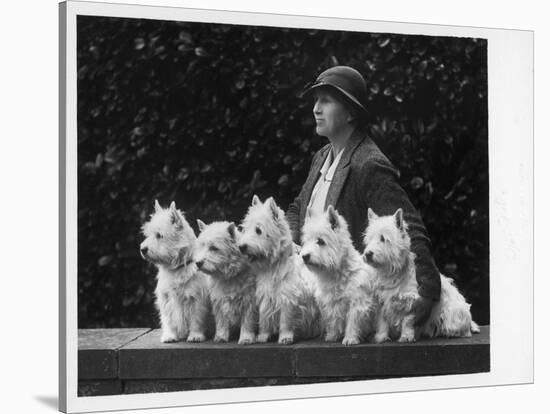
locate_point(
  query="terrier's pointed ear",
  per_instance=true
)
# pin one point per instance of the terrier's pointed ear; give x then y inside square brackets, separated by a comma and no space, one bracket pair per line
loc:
[255,200]
[371,215]
[399,218]
[273,207]
[157,206]
[333,218]
[232,230]
[175,216]
[201,225]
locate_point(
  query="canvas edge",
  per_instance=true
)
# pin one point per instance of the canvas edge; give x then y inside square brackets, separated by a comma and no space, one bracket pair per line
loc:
[62,329]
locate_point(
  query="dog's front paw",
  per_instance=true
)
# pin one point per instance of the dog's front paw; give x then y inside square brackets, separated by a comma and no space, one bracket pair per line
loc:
[262,338]
[406,337]
[286,338]
[351,340]
[246,339]
[196,337]
[168,337]
[381,338]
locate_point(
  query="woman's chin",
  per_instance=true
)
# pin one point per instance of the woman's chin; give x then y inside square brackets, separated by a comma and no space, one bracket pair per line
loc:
[320,131]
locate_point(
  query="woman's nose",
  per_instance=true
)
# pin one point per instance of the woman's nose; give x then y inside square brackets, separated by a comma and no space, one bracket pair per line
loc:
[316,108]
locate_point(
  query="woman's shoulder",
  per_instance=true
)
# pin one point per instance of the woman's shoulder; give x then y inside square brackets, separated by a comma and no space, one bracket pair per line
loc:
[368,154]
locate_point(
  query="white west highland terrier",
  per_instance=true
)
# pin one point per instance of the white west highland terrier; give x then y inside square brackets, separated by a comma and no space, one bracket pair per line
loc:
[388,251]
[233,289]
[346,288]
[285,289]
[182,291]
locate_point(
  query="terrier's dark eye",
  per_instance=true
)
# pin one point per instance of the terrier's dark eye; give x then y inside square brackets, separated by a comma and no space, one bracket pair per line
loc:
[320,242]
[213,248]
[158,236]
[382,239]
[258,231]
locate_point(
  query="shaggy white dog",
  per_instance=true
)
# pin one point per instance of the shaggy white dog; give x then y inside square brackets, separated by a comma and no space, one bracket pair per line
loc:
[233,290]
[346,289]
[181,294]
[388,251]
[284,287]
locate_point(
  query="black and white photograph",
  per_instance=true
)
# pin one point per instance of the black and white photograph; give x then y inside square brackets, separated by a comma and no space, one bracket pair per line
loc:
[334,184]
[264,202]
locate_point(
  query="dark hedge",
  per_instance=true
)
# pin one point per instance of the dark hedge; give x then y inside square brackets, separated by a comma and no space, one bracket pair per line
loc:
[208,115]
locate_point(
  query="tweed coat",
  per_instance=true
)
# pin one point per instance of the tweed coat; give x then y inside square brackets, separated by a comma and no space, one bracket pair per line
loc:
[366,178]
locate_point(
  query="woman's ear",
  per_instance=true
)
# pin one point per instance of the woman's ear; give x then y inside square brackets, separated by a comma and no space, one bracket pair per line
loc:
[352,115]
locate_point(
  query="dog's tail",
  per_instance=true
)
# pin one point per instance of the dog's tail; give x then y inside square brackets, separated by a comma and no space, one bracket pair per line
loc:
[474,327]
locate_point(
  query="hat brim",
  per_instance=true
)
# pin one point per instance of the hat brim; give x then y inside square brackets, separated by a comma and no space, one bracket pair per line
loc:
[309,87]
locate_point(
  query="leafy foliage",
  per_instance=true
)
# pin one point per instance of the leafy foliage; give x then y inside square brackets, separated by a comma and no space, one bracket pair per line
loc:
[210,114]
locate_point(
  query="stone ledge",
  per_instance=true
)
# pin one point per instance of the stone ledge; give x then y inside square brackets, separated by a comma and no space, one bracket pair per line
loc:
[98,351]
[135,361]
[147,358]
[430,357]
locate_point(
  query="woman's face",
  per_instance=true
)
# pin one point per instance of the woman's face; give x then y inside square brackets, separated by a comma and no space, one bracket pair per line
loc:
[331,115]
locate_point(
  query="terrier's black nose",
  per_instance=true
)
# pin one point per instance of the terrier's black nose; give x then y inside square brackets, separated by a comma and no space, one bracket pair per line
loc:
[243,248]
[368,256]
[199,264]
[144,250]
[306,258]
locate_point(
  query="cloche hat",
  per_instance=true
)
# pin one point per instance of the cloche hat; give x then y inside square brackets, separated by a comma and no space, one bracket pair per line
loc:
[346,80]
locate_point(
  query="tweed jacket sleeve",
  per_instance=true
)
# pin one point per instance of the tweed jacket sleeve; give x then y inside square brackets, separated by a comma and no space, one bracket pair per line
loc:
[384,195]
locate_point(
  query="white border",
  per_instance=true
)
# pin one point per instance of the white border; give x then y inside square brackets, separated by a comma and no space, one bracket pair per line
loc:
[510,63]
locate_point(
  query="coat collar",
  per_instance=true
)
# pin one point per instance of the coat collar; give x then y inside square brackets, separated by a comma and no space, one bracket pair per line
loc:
[356,137]
[354,140]
[341,173]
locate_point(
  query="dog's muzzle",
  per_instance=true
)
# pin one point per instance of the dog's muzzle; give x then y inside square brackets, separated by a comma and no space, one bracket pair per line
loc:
[368,257]
[246,251]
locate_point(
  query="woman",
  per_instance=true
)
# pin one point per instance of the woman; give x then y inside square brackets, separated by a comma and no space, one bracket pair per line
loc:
[352,174]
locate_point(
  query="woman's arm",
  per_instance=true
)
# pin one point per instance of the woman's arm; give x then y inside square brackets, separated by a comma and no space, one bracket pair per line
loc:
[384,195]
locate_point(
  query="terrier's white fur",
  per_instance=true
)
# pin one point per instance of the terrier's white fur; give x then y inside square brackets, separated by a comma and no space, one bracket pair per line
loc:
[388,251]
[233,289]
[285,289]
[182,297]
[346,289]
